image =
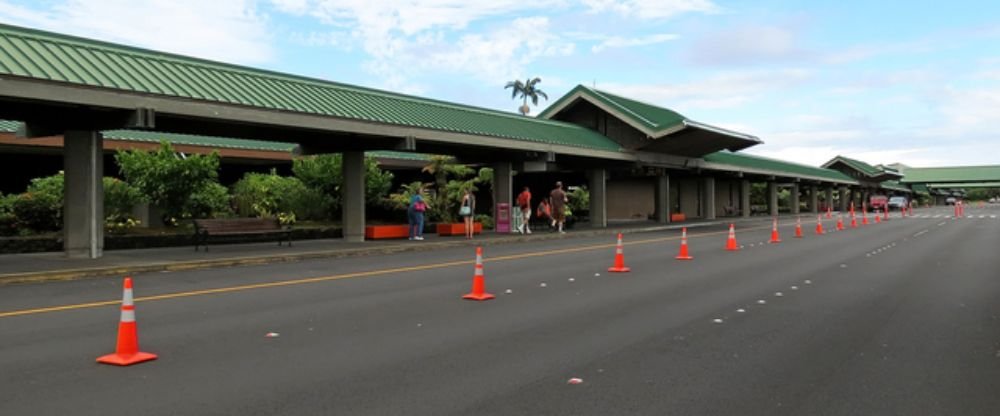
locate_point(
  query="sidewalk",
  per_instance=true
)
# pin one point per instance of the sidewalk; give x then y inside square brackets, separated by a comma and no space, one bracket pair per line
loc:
[37,267]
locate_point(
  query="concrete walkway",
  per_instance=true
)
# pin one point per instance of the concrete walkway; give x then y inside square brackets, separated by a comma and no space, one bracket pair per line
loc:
[35,267]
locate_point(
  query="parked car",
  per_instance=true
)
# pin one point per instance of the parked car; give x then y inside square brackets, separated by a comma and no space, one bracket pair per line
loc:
[950,201]
[897,202]
[878,202]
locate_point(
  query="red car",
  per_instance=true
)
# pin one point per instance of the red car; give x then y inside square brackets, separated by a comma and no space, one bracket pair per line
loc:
[878,202]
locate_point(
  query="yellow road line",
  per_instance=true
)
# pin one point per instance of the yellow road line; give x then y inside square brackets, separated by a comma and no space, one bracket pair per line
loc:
[346,276]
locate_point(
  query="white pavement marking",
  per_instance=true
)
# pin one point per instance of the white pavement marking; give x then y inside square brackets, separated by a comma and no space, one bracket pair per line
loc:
[937,216]
[993,216]
[741,310]
[779,294]
[922,232]
[761,302]
[717,320]
[982,216]
[942,223]
[808,282]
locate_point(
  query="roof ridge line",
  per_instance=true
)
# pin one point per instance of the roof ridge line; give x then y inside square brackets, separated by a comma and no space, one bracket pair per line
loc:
[604,94]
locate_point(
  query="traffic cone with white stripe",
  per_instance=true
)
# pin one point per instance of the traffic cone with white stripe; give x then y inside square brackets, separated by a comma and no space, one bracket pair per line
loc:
[840,222]
[829,212]
[798,227]
[478,280]
[819,225]
[854,220]
[878,216]
[885,213]
[864,215]
[731,242]
[619,266]
[683,255]
[775,238]
[127,348]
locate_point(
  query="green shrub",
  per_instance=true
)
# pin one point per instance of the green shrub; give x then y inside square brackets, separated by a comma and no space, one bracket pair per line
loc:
[267,195]
[8,221]
[120,198]
[210,201]
[323,173]
[166,179]
[40,208]
[579,199]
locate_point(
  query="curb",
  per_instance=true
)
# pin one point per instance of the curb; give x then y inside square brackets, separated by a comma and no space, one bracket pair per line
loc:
[82,273]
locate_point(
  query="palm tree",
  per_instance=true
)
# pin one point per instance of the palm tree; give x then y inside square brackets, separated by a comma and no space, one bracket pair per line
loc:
[527,90]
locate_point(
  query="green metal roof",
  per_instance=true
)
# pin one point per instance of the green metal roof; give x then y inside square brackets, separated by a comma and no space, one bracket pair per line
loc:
[778,167]
[964,185]
[646,117]
[894,186]
[966,174]
[54,57]
[920,188]
[652,117]
[7,126]
[864,168]
[196,140]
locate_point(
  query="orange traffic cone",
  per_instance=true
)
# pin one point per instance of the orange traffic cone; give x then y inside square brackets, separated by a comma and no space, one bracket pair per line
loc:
[854,220]
[829,212]
[840,222]
[731,242]
[819,225]
[478,280]
[852,208]
[127,349]
[683,255]
[775,239]
[885,213]
[619,266]
[864,215]
[878,217]
[798,227]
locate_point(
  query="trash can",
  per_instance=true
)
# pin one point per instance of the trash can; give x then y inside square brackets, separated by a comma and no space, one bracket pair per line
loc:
[502,220]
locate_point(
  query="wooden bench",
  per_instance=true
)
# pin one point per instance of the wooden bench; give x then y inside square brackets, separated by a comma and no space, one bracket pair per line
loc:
[206,229]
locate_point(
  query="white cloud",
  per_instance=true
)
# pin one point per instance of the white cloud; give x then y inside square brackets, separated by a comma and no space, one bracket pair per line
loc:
[622,42]
[722,90]
[650,9]
[225,30]
[750,44]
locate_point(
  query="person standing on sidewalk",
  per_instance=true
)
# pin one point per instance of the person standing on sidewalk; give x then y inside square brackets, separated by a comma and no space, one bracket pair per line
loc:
[524,204]
[415,213]
[467,211]
[557,201]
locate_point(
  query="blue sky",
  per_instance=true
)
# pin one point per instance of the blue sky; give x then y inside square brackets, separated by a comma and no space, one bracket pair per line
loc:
[916,82]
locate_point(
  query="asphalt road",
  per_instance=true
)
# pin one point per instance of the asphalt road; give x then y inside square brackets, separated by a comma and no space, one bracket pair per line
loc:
[898,318]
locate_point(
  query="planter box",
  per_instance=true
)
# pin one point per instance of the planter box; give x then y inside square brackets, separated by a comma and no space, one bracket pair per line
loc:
[379,232]
[458,228]
[677,217]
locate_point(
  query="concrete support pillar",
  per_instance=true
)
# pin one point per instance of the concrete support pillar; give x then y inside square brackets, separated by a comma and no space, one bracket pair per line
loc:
[598,179]
[829,196]
[843,199]
[794,198]
[814,199]
[745,198]
[353,196]
[708,199]
[83,194]
[662,203]
[772,198]
[503,187]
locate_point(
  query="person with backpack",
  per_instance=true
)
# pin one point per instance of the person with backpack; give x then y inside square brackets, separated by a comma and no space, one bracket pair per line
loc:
[415,214]
[524,204]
